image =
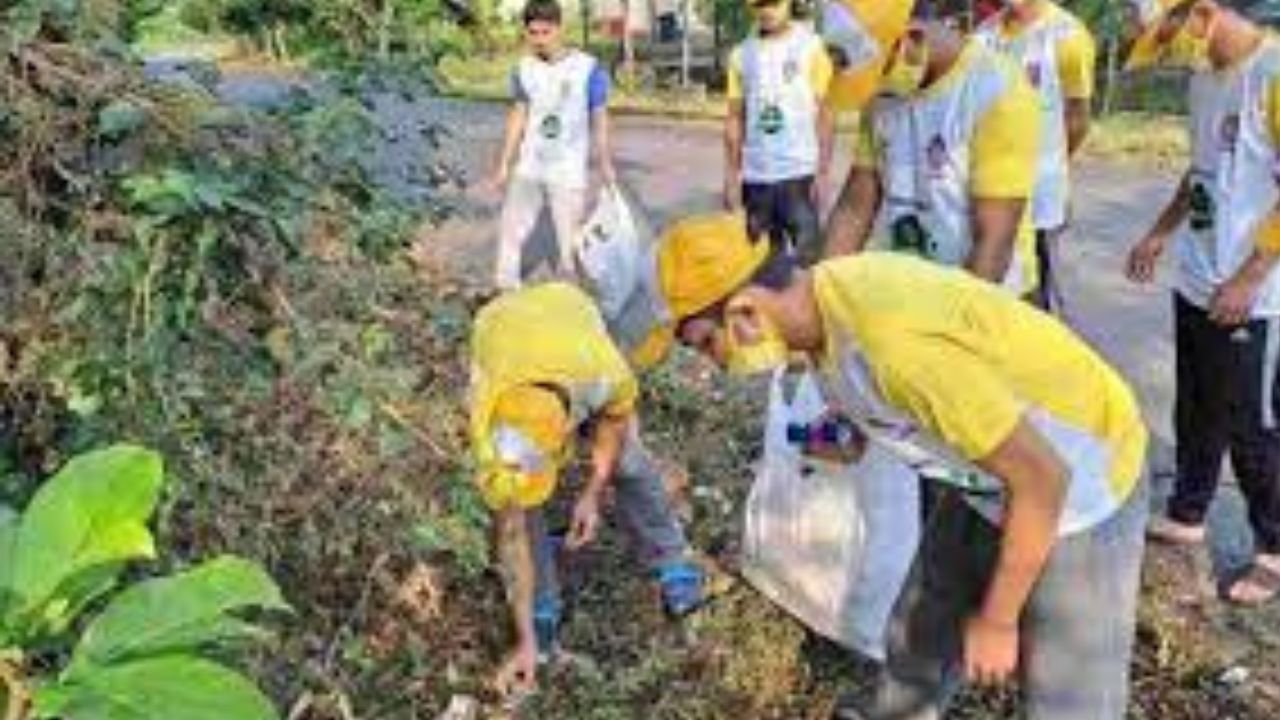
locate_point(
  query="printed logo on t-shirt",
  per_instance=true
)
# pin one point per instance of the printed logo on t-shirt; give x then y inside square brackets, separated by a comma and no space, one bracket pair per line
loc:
[907,234]
[550,127]
[937,156]
[1229,134]
[771,120]
[1035,74]
[1202,207]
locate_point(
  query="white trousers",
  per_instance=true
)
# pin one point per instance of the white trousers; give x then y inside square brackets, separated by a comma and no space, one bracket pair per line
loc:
[524,202]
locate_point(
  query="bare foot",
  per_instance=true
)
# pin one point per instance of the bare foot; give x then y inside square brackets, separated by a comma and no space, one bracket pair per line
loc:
[1165,530]
[1260,585]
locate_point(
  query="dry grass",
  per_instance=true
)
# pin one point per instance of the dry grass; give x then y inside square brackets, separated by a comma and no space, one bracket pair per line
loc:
[1159,140]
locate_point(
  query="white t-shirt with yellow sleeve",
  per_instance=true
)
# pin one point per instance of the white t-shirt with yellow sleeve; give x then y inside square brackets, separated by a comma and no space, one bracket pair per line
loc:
[972,134]
[1235,143]
[781,82]
[1058,54]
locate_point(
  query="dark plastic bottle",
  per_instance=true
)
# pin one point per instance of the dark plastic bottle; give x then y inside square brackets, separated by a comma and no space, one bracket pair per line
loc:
[836,432]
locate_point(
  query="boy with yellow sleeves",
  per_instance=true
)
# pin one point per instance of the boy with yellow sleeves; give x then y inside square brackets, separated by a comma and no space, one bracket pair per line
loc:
[544,370]
[1224,222]
[1058,53]
[1031,569]
[950,152]
[779,130]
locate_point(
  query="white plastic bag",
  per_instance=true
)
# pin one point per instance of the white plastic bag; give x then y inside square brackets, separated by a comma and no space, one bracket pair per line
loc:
[830,544]
[609,251]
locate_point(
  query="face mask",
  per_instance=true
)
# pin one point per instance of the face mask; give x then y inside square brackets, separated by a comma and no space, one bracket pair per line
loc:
[905,76]
[1186,50]
[769,352]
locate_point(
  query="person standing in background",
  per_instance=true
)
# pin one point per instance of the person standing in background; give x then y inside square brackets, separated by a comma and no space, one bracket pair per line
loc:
[779,130]
[1224,222]
[1058,53]
[560,109]
[949,151]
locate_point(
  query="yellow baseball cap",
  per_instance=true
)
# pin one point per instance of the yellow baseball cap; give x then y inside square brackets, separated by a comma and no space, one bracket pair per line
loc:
[530,431]
[864,32]
[703,259]
[1148,15]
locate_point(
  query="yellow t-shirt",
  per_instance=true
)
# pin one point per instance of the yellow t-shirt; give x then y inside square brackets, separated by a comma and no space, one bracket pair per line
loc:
[549,334]
[974,134]
[942,366]
[1077,58]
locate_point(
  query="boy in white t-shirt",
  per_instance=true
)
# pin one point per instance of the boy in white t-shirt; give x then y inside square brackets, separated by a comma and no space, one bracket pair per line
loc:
[778,134]
[560,109]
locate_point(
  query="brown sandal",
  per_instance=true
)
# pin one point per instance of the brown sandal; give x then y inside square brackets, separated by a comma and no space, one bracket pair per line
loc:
[1257,587]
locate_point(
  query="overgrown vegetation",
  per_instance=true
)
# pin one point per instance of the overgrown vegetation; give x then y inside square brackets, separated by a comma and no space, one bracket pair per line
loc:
[231,289]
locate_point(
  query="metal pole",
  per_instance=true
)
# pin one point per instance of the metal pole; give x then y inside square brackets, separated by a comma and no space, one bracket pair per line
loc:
[684,42]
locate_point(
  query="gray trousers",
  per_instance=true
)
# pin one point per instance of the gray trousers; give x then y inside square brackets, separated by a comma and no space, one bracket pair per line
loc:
[1076,631]
[643,510]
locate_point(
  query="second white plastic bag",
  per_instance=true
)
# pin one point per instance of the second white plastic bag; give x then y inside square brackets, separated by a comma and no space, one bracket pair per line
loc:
[831,544]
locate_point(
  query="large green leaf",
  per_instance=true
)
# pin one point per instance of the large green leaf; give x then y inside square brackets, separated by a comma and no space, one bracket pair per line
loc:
[93,513]
[75,594]
[173,687]
[185,612]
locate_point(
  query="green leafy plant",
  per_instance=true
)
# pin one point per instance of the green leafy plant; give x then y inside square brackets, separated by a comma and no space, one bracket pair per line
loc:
[144,656]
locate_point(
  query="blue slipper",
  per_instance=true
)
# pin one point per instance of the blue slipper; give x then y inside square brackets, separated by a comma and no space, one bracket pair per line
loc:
[546,625]
[682,585]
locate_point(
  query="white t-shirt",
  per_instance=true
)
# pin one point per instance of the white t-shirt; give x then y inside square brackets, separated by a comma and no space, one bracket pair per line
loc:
[556,144]
[781,82]
[1233,176]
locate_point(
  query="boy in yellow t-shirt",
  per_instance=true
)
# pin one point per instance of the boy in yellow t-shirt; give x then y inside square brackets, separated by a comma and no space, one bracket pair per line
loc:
[544,370]
[1040,441]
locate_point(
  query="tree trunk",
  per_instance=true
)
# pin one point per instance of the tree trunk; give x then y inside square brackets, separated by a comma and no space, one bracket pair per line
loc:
[584,12]
[385,22]
[717,37]
[628,47]
[1113,74]
[282,47]
[685,15]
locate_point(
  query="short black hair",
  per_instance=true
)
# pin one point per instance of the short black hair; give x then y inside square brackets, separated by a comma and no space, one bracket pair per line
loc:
[777,271]
[542,11]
